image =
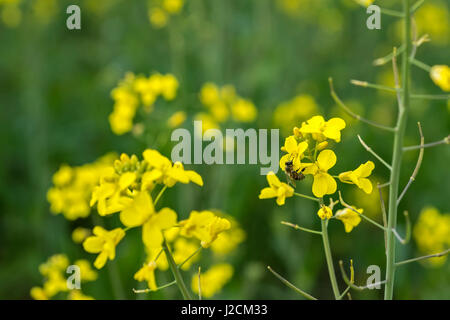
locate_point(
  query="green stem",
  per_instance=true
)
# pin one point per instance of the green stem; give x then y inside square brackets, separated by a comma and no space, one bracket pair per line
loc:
[329,258]
[397,154]
[305,196]
[176,273]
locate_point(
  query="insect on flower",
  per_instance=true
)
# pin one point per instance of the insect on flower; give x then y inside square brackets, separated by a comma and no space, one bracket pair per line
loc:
[292,174]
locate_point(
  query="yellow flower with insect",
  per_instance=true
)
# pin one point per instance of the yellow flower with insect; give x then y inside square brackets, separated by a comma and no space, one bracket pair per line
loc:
[323,183]
[276,189]
[349,218]
[325,212]
[359,176]
[294,151]
[321,130]
[205,226]
[104,243]
[440,74]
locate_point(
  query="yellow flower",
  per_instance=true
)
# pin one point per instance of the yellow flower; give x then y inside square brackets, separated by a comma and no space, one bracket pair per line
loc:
[37,293]
[359,176]
[167,173]
[147,273]
[228,240]
[86,272]
[173,6]
[169,86]
[103,242]
[320,129]
[205,226]
[323,183]
[244,111]
[53,270]
[365,3]
[276,189]
[295,152]
[349,218]
[213,280]
[177,119]
[440,74]
[183,249]
[139,211]
[209,94]
[80,234]
[78,295]
[324,213]
[289,113]
[432,234]
[158,17]
[152,230]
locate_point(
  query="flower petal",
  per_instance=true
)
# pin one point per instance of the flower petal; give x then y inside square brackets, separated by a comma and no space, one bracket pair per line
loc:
[326,159]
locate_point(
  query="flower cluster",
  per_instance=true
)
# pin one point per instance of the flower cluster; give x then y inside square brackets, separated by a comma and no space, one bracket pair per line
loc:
[72,187]
[287,114]
[134,91]
[54,271]
[432,233]
[160,11]
[223,103]
[308,153]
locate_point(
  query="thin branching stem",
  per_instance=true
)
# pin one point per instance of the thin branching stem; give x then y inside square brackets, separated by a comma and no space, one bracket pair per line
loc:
[190,257]
[431,96]
[290,285]
[354,115]
[297,227]
[408,230]
[366,84]
[446,140]
[383,211]
[329,259]
[416,169]
[383,60]
[417,5]
[440,254]
[374,153]
[421,65]
[301,195]
[351,284]
[157,289]
[199,283]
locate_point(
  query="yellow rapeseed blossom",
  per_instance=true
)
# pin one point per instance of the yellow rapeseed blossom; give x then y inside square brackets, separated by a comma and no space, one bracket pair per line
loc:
[349,218]
[228,240]
[204,225]
[80,234]
[173,6]
[72,187]
[365,3]
[432,234]
[86,272]
[321,130]
[176,119]
[440,74]
[104,243]
[213,280]
[78,295]
[152,230]
[134,91]
[323,183]
[276,189]
[359,176]
[223,101]
[182,250]
[294,152]
[147,273]
[54,272]
[288,114]
[158,17]
[325,212]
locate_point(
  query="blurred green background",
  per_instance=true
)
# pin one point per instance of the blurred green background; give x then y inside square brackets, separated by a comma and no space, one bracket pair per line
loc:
[55,100]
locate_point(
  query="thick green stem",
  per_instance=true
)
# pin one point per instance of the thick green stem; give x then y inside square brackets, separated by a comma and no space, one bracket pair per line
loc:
[176,273]
[397,153]
[329,258]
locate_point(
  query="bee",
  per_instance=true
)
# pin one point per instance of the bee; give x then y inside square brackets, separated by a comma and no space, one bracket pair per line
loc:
[293,175]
